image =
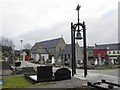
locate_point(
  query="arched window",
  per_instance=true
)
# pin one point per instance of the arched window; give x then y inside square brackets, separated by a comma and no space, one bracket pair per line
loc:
[113,52]
[118,52]
[109,52]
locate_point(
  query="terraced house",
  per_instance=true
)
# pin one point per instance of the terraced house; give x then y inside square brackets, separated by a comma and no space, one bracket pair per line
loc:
[103,52]
[55,49]
[112,50]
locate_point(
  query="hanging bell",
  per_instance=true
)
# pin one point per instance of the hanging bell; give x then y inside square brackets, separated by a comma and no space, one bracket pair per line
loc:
[78,36]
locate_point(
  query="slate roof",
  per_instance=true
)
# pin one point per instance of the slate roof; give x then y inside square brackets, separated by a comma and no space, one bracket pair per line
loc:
[115,46]
[41,47]
[49,43]
[37,49]
[67,50]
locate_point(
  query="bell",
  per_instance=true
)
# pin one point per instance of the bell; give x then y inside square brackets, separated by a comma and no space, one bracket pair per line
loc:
[78,36]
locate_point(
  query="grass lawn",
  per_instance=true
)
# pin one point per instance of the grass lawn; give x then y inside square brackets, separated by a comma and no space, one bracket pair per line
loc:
[15,82]
[20,82]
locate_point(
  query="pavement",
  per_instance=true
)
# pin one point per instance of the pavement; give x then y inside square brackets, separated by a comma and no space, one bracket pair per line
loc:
[95,76]
[70,83]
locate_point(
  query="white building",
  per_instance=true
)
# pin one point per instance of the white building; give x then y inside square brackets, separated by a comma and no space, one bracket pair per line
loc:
[113,51]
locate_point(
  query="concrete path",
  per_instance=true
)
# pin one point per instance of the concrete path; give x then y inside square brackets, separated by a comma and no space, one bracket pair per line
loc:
[95,76]
[71,83]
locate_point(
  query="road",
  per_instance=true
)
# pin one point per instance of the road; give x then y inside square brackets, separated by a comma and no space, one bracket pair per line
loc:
[107,72]
[97,75]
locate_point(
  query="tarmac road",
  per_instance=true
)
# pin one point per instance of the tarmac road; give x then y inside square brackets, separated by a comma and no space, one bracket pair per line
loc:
[97,75]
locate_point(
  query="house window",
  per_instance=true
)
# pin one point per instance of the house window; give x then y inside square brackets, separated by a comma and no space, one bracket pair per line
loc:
[109,52]
[61,56]
[65,56]
[89,52]
[113,52]
[118,52]
[69,56]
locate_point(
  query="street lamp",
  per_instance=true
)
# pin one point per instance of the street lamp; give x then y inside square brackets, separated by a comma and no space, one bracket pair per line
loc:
[78,37]
[21,48]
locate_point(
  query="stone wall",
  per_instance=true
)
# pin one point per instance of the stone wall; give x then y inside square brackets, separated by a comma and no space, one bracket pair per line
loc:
[60,47]
[79,53]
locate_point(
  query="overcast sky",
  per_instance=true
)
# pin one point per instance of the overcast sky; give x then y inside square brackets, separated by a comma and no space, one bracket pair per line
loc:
[39,20]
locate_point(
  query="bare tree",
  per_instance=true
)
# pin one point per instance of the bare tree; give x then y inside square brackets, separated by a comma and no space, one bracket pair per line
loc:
[6,42]
[6,46]
[27,46]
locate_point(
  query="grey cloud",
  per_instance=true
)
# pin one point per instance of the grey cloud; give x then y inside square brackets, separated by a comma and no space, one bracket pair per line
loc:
[41,34]
[104,29]
[101,30]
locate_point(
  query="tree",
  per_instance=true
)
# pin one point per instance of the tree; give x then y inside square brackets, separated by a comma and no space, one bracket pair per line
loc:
[6,42]
[6,46]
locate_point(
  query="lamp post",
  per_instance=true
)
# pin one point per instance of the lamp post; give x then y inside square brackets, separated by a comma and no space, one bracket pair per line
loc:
[78,36]
[21,49]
